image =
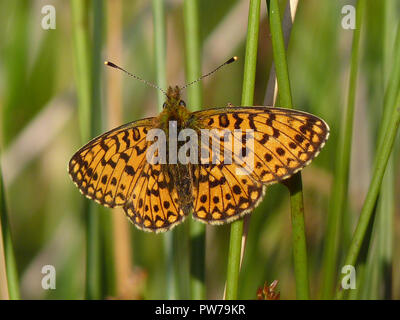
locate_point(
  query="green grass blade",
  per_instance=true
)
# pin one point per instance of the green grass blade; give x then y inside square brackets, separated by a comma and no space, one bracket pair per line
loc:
[294,184]
[192,52]
[381,160]
[235,241]
[11,265]
[380,259]
[193,71]
[97,66]
[81,32]
[391,91]
[340,188]
[279,52]
[386,136]
[376,281]
[16,60]
[161,70]
[386,213]
[295,187]
[160,49]
[386,205]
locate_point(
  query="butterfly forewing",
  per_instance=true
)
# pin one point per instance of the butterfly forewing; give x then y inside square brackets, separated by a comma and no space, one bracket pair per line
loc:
[106,168]
[285,140]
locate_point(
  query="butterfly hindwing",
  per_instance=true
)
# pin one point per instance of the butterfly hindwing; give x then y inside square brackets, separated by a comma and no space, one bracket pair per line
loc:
[223,196]
[153,206]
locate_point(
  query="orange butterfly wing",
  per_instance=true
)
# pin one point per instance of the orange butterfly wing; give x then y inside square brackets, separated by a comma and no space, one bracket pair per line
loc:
[285,141]
[112,170]
[153,205]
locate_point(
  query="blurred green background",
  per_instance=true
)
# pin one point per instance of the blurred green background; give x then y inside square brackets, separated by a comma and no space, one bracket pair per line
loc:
[40,132]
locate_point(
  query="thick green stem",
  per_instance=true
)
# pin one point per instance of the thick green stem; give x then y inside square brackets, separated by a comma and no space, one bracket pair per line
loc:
[81,33]
[386,205]
[161,74]
[193,71]
[295,187]
[11,266]
[235,244]
[294,184]
[386,213]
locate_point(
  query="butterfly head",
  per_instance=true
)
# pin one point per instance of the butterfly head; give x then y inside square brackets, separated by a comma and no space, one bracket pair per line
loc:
[174,101]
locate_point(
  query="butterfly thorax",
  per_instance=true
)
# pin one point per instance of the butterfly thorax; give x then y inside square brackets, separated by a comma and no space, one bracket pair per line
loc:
[174,109]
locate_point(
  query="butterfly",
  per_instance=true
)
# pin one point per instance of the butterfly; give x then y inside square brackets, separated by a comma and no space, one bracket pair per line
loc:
[114,169]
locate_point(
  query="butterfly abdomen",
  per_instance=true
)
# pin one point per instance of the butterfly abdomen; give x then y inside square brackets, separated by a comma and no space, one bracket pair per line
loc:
[182,181]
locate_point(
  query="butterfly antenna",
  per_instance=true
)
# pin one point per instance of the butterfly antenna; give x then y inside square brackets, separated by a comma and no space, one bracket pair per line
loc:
[113,65]
[233,59]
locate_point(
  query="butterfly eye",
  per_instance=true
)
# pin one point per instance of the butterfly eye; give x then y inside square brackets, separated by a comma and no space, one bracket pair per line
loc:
[182,103]
[164,105]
